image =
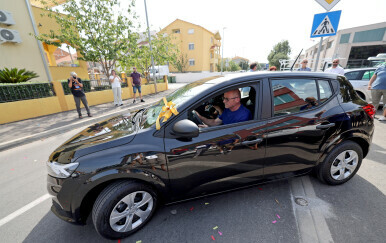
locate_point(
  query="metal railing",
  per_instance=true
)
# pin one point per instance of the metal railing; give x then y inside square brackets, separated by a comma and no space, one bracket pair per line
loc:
[16,92]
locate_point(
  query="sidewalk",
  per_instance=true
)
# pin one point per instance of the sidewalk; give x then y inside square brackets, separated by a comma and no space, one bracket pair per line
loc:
[22,132]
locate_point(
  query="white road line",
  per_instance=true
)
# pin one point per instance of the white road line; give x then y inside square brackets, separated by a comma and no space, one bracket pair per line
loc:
[24,209]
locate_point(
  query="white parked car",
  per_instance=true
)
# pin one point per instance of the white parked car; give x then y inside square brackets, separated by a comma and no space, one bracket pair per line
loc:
[359,79]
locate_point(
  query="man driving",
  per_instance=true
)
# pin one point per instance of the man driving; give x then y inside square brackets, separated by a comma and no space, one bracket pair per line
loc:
[234,111]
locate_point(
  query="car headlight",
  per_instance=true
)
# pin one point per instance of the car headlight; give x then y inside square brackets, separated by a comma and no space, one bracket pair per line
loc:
[59,170]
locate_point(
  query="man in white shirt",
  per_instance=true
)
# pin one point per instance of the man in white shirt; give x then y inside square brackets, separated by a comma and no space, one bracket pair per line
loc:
[335,68]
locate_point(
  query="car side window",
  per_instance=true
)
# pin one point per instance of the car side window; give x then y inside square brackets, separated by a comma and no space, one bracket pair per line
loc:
[367,75]
[352,75]
[325,91]
[294,95]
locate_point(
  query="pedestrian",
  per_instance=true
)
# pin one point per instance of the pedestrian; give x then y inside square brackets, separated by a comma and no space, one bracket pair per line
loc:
[253,67]
[136,83]
[116,81]
[76,86]
[335,68]
[272,68]
[304,66]
[377,85]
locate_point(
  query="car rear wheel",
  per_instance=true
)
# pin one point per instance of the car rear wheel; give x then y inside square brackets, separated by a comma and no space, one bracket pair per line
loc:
[123,208]
[341,164]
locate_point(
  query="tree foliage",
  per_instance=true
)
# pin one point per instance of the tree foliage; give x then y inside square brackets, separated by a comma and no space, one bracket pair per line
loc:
[94,29]
[163,52]
[281,50]
[15,75]
[181,63]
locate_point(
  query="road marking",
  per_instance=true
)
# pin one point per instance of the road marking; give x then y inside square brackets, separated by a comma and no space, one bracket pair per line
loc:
[24,209]
[311,222]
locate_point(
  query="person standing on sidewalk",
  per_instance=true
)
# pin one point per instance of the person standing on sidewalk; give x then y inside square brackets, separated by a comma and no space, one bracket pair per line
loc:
[76,86]
[335,68]
[116,81]
[377,85]
[136,83]
[304,66]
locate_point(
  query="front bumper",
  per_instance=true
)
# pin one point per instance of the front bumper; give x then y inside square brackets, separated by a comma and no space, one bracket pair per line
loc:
[64,215]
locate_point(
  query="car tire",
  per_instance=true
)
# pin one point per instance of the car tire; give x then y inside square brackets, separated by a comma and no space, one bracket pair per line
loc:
[341,164]
[123,208]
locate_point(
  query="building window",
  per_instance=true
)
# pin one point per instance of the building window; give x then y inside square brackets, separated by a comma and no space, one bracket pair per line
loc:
[211,55]
[176,31]
[191,62]
[191,31]
[329,44]
[344,38]
[191,46]
[211,40]
[369,35]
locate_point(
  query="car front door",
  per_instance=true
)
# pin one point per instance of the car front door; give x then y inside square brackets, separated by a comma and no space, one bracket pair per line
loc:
[220,158]
[304,115]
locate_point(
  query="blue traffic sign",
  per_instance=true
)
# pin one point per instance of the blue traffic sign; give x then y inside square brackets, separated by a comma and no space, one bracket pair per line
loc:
[325,24]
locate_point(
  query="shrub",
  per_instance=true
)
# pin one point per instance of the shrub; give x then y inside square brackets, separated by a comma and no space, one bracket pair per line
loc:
[9,93]
[16,76]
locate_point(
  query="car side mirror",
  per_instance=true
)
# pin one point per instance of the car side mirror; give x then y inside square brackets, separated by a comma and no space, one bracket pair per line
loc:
[185,129]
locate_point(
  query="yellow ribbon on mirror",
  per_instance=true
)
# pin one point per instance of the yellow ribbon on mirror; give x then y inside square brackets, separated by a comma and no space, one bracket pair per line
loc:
[167,110]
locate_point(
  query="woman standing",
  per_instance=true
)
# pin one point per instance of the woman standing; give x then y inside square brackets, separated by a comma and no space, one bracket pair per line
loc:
[116,81]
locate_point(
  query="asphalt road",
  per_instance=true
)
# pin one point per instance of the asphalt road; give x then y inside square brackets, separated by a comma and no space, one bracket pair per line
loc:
[353,212]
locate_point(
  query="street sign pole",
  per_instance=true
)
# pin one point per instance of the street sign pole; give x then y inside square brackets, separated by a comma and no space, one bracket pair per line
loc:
[317,56]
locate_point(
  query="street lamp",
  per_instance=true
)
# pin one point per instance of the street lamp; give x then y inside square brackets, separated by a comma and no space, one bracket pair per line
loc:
[151,52]
[222,54]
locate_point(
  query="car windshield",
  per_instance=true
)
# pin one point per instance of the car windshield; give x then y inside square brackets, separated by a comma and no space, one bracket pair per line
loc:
[178,97]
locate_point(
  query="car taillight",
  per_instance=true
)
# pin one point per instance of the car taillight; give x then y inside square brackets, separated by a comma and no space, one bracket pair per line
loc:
[370,110]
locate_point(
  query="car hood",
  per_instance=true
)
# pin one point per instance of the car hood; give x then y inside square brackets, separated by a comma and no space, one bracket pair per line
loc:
[109,133]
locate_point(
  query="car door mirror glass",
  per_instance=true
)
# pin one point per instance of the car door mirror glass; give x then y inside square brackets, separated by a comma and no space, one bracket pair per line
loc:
[185,129]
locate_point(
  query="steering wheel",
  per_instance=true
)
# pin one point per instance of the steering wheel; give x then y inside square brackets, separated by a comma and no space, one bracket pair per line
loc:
[196,119]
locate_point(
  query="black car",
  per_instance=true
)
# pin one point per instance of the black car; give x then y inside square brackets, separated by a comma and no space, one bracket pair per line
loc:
[120,169]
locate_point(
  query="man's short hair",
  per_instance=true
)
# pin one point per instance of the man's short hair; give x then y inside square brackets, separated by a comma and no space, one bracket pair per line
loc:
[253,65]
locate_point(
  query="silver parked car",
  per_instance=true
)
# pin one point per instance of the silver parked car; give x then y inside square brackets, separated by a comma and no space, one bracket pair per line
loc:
[359,79]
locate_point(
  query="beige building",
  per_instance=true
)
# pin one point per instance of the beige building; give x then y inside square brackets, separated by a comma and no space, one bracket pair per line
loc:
[22,50]
[352,46]
[201,46]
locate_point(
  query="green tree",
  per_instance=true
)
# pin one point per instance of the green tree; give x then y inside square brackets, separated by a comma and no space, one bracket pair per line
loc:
[233,67]
[281,50]
[163,51]
[244,65]
[94,29]
[181,63]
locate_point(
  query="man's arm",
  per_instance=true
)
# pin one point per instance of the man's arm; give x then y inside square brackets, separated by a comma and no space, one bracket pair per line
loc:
[373,78]
[78,81]
[70,82]
[210,122]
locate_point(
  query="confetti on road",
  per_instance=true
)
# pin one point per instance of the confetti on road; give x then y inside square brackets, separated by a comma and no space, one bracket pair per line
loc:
[220,233]
[206,203]
[212,237]
[277,201]
[138,241]
[260,188]
[25,157]
[278,216]
[119,241]
[173,211]
[12,169]
[191,209]
[216,227]
[274,222]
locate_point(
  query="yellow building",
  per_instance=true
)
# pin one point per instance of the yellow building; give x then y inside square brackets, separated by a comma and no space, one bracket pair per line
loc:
[201,46]
[25,51]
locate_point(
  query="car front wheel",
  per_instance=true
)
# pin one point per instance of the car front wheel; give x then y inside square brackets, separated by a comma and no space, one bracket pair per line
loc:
[341,164]
[123,208]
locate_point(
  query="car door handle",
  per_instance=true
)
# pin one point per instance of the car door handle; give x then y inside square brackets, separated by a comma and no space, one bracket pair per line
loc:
[325,126]
[259,140]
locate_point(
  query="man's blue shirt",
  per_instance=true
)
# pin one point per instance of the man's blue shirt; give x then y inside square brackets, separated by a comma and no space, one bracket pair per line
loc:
[229,117]
[380,81]
[305,69]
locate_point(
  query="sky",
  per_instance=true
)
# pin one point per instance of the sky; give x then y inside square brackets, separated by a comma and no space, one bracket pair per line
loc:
[253,27]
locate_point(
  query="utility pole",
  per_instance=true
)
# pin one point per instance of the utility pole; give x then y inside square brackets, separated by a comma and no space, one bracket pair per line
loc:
[151,52]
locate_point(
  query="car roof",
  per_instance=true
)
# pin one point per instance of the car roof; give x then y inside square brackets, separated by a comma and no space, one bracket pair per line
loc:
[360,69]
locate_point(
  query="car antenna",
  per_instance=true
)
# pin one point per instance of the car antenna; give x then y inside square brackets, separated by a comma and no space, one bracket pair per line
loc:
[296,60]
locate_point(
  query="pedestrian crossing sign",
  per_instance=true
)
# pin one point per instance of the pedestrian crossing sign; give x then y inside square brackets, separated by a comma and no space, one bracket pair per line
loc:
[325,24]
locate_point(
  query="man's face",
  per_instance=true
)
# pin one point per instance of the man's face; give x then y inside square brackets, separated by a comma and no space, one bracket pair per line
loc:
[335,63]
[304,63]
[231,99]
[134,69]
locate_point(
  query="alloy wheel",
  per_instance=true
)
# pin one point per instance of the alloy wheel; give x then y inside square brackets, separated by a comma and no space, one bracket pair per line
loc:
[131,211]
[344,165]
